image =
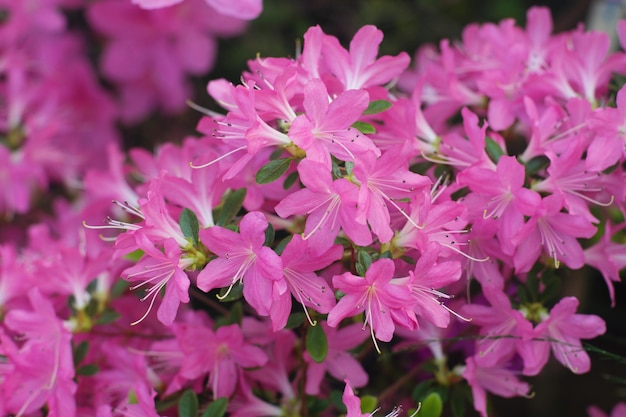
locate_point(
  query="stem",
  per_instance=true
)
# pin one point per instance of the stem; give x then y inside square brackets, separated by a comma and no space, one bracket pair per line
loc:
[207,301]
[398,384]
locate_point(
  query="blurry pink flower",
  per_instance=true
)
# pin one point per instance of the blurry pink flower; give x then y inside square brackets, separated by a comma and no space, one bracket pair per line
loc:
[242,9]
[618,411]
[497,380]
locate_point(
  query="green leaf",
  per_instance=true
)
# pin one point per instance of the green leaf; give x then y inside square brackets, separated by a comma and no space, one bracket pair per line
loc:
[316,343]
[349,167]
[80,352]
[272,170]
[269,235]
[377,106]
[336,169]
[188,404]
[368,403]
[432,406]
[493,149]
[108,317]
[536,164]
[232,205]
[295,320]
[364,128]
[119,287]
[188,222]
[421,389]
[337,401]
[134,256]
[235,293]
[363,261]
[88,370]
[217,408]
[290,180]
[277,153]
[364,258]
[458,400]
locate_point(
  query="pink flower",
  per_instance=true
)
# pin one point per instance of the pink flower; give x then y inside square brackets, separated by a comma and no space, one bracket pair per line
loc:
[505,197]
[242,9]
[161,270]
[384,302]
[359,68]
[503,328]
[556,232]
[42,370]
[243,258]
[608,257]
[618,411]
[561,331]
[311,290]
[330,205]
[325,130]
[499,381]
[339,362]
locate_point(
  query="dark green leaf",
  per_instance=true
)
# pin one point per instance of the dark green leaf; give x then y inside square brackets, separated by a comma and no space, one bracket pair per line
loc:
[431,406]
[277,153]
[295,320]
[188,404]
[349,167]
[232,205]
[551,290]
[363,261]
[532,285]
[460,193]
[421,390]
[108,317]
[234,293]
[80,352]
[377,106]
[522,294]
[316,343]
[188,222]
[336,170]
[536,164]
[269,235]
[119,287]
[88,370]
[458,401]
[493,150]
[217,408]
[364,128]
[290,180]
[281,245]
[272,170]
[337,401]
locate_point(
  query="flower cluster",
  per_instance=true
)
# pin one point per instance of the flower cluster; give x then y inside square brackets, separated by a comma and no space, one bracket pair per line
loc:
[342,206]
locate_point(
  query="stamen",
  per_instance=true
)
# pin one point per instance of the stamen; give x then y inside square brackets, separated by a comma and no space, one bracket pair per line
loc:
[202,110]
[227,154]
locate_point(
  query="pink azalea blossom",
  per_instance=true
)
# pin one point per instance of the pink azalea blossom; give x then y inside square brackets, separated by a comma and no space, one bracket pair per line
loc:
[161,270]
[384,302]
[561,331]
[242,258]
[330,206]
[497,380]
[339,362]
